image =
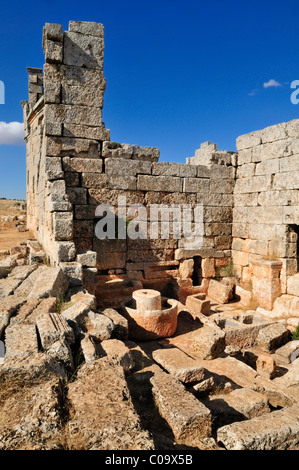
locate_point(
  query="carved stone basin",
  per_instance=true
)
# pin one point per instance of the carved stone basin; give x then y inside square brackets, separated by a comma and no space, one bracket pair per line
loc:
[150,316]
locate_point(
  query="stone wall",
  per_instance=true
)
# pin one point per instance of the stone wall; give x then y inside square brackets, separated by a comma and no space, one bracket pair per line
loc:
[72,167]
[247,201]
[266,210]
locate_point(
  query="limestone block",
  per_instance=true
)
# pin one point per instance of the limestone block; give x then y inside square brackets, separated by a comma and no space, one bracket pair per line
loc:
[287,353]
[123,166]
[20,340]
[268,151]
[53,128]
[82,95]
[217,214]
[83,50]
[83,228]
[245,296]
[122,182]
[75,315]
[159,183]
[178,364]
[174,169]
[293,285]
[86,131]
[222,185]
[89,349]
[186,268]
[73,272]
[49,282]
[274,431]
[272,337]
[82,165]
[53,51]
[85,297]
[289,163]
[87,27]
[77,195]
[64,251]
[209,343]
[187,417]
[268,167]
[196,185]
[254,184]
[53,31]
[71,146]
[244,156]
[62,353]
[273,133]
[55,187]
[219,291]
[238,405]
[287,180]
[52,92]
[98,325]
[58,203]
[71,114]
[246,170]
[118,352]
[266,366]
[208,267]
[120,323]
[62,226]
[53,327]
[249,140]
[87,258]
[95,181]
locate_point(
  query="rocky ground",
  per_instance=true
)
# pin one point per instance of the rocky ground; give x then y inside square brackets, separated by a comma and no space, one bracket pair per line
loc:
[73,378]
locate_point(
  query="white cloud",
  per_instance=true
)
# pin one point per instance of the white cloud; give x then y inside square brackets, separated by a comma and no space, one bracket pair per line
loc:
[12,133]
[253,92]
[271,83]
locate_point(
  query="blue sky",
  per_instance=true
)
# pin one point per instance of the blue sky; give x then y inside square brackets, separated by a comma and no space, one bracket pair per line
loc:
[178,72]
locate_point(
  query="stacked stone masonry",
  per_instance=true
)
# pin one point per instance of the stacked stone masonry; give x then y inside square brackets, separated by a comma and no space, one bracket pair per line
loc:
[249,199]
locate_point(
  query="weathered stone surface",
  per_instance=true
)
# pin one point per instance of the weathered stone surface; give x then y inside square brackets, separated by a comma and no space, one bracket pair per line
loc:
[99,326]
[53,327]
[238,405]
[186,268]
[272,337]
[49,282]
[188,418]
[219,291]
[287,353]
[266,366]
[76,313]
[208,343]
[120,331]
[178,364]
[87,258]
[293,285]
[73,272]
[105,419]
[274,431]
[119,352]
[197,303]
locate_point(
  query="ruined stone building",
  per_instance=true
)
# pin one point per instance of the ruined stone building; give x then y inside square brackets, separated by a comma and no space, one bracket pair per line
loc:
[249,198]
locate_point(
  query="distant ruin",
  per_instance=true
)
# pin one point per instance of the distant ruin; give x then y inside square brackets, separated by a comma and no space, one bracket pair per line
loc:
[250,198]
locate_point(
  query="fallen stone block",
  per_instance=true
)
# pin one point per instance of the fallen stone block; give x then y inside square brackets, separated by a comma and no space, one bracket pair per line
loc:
[73,272]
[50,283]
[238,405]
[89,348]
[188,418]
[61,352]
[266,366]
[197,303]
[8,308]
[219,291]
[287,353]
[87,258]
[103,414]
[272,337]
[7,265]
[208,343]
[121,330]
[85,297]
[53,327]
[278,430]
[98,325]
[119,352]
[20,340]
[178,364]
[76,314]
